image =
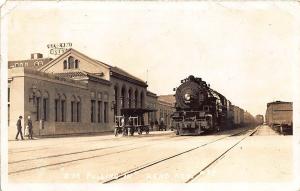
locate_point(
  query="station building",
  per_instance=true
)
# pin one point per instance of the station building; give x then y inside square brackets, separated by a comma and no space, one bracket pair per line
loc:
[74,93]
[165,108]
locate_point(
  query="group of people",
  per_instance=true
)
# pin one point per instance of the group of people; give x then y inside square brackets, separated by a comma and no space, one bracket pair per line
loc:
[158,125]
[28,125]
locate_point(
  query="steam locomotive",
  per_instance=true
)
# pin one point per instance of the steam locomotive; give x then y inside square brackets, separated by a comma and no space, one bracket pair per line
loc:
[200,109]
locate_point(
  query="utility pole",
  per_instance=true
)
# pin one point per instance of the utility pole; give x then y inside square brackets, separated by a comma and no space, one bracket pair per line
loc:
[147,76]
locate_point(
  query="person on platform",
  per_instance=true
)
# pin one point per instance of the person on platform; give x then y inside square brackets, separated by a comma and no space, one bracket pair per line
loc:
[151,125]
[19,128]
[29,125]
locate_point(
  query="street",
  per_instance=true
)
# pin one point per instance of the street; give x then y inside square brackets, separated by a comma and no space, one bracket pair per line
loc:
[244,154]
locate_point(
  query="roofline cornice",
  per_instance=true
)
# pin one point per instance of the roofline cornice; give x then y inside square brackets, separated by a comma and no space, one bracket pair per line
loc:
[125,78]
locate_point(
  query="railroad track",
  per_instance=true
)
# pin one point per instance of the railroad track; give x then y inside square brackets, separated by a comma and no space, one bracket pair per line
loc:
[151,139]
[85,158]
[144,166]
[220,156]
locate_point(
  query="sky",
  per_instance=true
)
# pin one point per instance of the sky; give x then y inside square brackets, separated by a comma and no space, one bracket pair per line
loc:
[245,51]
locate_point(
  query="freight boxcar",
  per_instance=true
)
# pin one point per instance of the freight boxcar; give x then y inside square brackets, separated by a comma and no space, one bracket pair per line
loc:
[249,119]
[238,116]
[279,115]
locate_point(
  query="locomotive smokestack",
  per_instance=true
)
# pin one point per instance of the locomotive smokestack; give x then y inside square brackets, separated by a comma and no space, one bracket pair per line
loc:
[191,77]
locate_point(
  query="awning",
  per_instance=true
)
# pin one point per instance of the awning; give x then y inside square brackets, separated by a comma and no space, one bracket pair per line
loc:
[136,111]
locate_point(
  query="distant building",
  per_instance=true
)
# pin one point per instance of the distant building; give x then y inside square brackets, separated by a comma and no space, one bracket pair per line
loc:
[35,62]
[165,108]
[151,103]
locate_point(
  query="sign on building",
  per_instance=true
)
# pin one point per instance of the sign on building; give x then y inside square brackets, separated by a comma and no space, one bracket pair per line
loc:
[58,48]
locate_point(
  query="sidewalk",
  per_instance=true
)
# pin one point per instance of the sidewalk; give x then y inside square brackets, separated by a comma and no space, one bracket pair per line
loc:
[12,135]
[264,130]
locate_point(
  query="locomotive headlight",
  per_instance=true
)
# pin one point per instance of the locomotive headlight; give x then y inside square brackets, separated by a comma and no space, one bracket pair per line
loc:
[187,97]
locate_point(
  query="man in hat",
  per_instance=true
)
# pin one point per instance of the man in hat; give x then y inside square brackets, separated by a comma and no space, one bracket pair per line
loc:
[29,125]
[19,127]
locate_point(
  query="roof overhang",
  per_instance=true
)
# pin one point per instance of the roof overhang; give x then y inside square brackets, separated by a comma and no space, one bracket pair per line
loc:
[136,111]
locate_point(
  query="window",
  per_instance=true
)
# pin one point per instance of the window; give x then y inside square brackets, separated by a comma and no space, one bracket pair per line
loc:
[71,62]
[129,98]
[78,111]
[45,109]
[116,101]
[142,100]
[65,64]
[136,99]
[93,111]
[105,112]
[37,108]
[76,63]
[72,111]
[56,109]
[63,110]
[123,97]
[99,112]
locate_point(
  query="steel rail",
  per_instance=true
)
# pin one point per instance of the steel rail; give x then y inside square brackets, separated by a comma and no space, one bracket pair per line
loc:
[141,167]
[220,156]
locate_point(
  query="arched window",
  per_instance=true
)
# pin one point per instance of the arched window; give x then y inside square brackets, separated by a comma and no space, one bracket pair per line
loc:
[63,107]
[73,108]
[105,107]
[38,105]
[45,105]
[129,98]
[56,107]
[76,63]
[78,109]
[142,99]
[123,96]
[116,100]
[93,107]
[71,62]
[65,64]
[99,108]
[136,98]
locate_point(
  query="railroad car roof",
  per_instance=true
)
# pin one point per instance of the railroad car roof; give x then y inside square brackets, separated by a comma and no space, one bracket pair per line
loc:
[279,102]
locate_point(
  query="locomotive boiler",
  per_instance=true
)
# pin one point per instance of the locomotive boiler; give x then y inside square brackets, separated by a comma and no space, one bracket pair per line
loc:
[200,109]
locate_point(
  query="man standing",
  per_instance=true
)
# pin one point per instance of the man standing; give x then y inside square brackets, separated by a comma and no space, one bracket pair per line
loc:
[19,127]
[29,125]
